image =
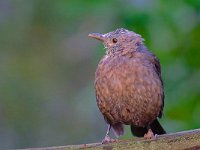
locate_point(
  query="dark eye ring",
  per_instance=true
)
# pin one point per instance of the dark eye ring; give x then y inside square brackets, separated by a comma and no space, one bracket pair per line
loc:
[114,40]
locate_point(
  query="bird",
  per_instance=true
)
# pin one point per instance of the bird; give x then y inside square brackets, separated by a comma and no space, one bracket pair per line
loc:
[128,85]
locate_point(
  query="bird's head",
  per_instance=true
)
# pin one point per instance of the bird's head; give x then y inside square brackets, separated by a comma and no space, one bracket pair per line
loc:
[118,40]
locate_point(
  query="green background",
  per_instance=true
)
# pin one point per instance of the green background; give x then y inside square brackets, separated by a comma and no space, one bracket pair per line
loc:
[47,65]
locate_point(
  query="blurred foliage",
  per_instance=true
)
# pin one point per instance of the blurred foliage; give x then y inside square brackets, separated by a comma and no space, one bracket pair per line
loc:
[47,65]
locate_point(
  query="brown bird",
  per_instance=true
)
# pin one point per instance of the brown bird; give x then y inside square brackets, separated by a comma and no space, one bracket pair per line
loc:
[128,84]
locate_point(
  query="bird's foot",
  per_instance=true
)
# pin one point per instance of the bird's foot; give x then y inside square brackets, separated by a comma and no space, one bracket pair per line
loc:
[149,135]
[108,139]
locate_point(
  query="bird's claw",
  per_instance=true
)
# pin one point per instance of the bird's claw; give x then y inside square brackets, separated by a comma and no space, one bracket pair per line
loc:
[149,135]
[108,139]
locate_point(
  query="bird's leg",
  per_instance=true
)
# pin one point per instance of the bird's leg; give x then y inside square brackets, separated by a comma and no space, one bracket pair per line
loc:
[108,130]
[149,134]
[107,138]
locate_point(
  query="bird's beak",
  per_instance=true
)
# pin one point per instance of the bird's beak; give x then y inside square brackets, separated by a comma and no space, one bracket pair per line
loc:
[97,36]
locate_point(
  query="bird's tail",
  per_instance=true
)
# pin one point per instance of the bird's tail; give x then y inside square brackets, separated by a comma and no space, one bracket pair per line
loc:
[138,131]
[155,127]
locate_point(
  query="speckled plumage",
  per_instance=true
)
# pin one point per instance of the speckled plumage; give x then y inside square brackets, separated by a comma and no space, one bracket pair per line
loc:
[128,84]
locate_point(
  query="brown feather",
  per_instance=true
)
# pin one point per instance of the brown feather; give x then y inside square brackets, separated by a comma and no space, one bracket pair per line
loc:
[128,84]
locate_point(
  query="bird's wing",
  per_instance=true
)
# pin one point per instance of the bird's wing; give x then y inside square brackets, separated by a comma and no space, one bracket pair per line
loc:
[155,61]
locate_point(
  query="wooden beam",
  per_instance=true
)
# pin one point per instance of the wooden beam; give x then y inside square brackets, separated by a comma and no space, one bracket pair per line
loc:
[189,140]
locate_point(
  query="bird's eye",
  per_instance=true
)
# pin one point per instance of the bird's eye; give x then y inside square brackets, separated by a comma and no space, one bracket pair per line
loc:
[114,40]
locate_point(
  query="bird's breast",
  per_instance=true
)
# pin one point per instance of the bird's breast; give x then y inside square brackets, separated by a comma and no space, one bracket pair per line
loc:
[128,90]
